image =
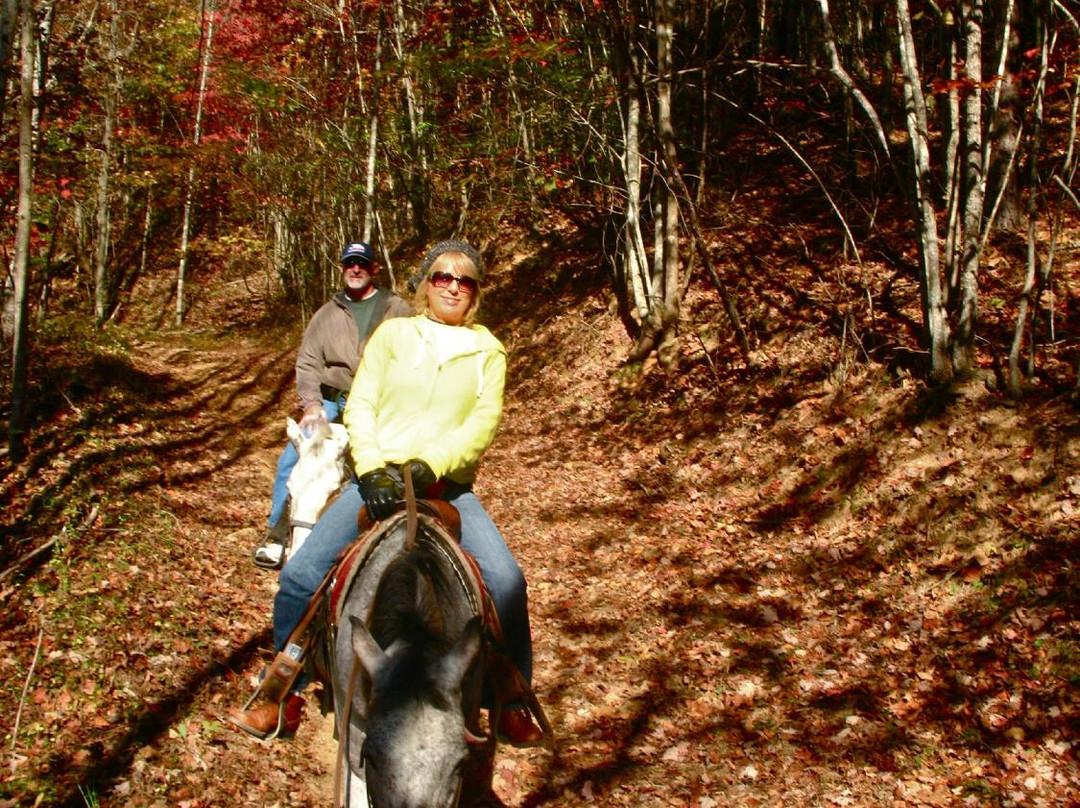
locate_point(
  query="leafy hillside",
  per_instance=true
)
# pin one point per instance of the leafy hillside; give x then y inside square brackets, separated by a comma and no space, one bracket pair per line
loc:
[802,579]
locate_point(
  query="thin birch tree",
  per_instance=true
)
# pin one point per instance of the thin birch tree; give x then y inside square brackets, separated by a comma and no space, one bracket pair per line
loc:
[416,162]
[371,161]
[9,12]
[635,261]
[966,293]
[20,343]
[1032,276]
[209,10]
[112,93]
[935,321]
[668,309]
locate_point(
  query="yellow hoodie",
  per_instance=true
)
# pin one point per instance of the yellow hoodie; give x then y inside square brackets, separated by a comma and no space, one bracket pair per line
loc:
[426,390]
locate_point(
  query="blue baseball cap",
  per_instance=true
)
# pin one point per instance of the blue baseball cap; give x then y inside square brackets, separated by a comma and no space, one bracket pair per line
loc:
[358,249]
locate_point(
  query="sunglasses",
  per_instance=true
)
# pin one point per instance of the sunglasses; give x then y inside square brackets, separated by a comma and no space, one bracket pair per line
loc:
[443,280]
[355,262]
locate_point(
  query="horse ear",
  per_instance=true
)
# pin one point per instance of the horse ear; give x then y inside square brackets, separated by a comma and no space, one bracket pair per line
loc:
[372,657]
[456,664]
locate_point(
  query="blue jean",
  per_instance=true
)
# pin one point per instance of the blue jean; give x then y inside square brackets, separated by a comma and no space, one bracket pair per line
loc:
[279,496]
[480,537]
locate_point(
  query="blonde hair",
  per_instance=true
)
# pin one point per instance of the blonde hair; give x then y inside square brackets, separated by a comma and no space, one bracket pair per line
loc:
[456,263]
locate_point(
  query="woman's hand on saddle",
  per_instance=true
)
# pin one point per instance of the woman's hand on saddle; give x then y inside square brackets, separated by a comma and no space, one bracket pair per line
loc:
[380,492]
[422,475]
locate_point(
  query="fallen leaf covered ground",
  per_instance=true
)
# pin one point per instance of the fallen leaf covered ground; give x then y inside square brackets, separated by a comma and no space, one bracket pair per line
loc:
[798,580]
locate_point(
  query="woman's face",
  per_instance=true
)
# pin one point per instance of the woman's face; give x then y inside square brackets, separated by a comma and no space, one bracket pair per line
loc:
[450,296]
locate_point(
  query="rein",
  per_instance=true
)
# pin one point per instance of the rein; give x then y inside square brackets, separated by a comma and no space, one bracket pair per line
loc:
[341,770]
[342,800]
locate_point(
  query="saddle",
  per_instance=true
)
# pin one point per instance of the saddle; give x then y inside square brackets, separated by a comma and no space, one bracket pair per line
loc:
[440,531]
[356,555]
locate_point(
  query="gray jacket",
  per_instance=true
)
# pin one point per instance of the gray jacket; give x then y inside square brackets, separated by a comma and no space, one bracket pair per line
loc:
[331,349]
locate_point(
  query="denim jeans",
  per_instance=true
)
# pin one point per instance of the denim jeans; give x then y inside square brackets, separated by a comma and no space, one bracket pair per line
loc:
[480,537]
[279,496]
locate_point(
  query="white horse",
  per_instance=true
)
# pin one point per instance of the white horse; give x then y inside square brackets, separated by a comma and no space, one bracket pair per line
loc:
[318,475]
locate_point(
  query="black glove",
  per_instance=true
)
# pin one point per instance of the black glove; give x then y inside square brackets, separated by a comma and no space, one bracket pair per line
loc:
[380,493]
[422,475]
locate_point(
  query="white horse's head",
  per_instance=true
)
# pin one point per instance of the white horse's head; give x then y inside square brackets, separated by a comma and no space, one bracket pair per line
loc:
[318,474]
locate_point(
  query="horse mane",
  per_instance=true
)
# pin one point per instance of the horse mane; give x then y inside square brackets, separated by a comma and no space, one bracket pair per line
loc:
[406,614]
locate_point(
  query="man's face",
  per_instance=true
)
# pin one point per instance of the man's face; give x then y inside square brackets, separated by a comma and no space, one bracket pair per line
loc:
[356,274]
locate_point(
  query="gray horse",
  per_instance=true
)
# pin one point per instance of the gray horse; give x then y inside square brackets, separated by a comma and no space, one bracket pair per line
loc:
[409,662]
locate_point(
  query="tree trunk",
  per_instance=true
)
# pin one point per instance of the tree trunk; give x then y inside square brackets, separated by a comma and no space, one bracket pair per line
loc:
[842,76]
[669,318]
[43,36]
[144,242]
[373,141]
[1006,112]
[20,352]
[967,302]
[636,266]
[1016,375]
[652,326]
[634,279]
[1015,380]
[101,253]
[520,111]
[951,128]
[935,323]
[1007,208]
[185,232]
[416,175]
[9,21]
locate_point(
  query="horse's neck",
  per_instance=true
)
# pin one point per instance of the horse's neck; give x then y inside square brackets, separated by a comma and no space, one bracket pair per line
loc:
[360,580]
[302,519]
[311,500]
[317,476]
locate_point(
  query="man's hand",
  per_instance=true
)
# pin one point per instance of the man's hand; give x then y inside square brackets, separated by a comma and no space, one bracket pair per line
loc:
[380,492]
[312,417]
[422,475]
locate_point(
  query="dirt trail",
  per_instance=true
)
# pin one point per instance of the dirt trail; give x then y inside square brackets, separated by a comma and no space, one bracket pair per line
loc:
[687,651]
[786,595]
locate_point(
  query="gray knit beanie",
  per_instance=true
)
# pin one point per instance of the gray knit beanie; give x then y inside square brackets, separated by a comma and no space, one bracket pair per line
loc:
[444,246]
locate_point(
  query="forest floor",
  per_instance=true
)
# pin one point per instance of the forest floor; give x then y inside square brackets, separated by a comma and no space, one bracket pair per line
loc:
[789,581]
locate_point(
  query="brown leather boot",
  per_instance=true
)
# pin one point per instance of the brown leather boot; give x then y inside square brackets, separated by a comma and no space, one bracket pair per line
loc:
[263,719]
[516,727]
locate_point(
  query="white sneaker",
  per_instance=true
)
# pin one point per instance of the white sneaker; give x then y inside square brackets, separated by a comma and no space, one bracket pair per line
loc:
[269,556]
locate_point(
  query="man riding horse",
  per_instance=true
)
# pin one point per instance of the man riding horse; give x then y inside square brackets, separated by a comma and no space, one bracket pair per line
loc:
[329,354]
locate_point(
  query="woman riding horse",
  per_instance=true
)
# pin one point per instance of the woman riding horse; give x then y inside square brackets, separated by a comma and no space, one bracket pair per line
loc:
[426,400]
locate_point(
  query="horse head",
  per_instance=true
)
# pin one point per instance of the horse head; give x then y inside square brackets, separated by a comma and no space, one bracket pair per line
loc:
[417,739]
[318,474]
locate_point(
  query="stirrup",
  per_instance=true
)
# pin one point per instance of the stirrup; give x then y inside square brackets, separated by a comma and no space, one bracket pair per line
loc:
[254,733]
